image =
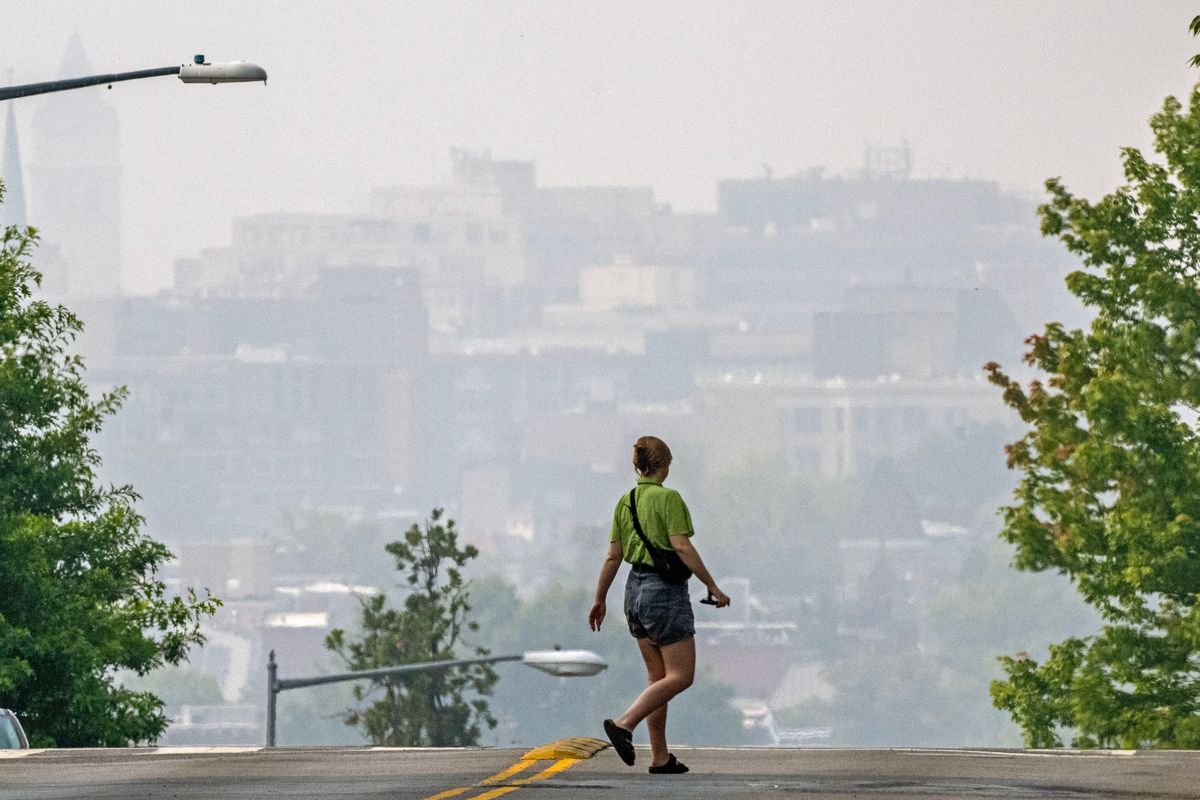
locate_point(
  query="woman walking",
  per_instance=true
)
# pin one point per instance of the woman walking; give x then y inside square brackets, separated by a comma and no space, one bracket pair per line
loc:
[657,606]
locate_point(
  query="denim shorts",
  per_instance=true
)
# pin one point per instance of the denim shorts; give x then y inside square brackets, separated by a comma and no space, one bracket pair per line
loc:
[657,610]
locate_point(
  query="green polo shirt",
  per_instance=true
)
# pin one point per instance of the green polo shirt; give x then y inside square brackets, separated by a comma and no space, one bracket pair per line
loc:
[662,513]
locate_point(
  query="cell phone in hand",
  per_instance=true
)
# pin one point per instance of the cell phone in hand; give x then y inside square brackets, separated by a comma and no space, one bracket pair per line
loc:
[709,601]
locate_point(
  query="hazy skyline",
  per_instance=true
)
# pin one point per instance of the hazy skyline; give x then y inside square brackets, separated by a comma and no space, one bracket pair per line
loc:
[670,95]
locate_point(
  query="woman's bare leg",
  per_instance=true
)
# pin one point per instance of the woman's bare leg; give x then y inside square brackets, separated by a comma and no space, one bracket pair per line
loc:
[679,669]
[656,722]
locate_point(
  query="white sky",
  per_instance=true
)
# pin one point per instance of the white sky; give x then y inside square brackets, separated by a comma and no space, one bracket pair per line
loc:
[670,94]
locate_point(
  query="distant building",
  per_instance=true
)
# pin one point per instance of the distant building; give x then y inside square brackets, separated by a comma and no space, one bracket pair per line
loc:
[937,216]
[623,284]
[241,406]
[75,184]
[914,332]
[793,244]
[516,181]
[492,346]
[466,244]
[835,428]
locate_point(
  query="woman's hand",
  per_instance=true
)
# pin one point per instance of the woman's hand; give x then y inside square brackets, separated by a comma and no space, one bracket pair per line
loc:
[721,598]
[596,615]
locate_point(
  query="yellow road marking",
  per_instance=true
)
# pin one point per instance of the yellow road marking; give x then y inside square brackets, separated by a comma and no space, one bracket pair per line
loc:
[503,774]
[564,752]
[450,793]
[548,772]
[520,766]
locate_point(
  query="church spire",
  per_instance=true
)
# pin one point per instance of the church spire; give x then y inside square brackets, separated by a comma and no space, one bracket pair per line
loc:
[12,212]
[75,183]
[75,61]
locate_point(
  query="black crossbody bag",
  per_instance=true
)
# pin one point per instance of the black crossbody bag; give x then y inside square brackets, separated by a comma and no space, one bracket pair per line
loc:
[667,563]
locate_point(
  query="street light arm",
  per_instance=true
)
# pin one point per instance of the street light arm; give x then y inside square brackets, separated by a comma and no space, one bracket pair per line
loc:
[283,684]
[28,89]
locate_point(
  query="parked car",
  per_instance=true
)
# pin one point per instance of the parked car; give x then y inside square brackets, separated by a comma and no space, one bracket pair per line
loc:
[12,735]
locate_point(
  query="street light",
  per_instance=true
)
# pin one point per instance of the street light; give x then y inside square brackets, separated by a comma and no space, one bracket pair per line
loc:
[199,71]
[560,663]
[565,663]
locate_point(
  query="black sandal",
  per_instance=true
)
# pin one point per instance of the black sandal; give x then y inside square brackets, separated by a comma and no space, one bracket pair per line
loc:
[622,741]
[673,767]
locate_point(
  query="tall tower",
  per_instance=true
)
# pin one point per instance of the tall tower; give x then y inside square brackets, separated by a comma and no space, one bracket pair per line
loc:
[12,212]
[75,183]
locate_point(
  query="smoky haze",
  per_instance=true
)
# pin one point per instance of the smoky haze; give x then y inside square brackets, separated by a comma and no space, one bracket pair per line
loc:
[461,255]
[674,96]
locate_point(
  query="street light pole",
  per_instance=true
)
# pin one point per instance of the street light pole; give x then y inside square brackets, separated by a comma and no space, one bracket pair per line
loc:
[199,71]
[272,694]
[564,663]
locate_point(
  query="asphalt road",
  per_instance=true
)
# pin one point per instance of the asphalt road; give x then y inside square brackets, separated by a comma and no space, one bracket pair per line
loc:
[417,774]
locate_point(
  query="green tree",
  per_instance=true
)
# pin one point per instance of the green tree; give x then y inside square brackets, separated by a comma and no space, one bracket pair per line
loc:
[81,597]
[427,708]
[1110,466]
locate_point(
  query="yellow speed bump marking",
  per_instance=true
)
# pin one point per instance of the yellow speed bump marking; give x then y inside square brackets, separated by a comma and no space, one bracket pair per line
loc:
[579,747]
[565,753]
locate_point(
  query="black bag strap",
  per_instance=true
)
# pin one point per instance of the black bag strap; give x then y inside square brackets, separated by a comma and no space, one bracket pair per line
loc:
[637,526]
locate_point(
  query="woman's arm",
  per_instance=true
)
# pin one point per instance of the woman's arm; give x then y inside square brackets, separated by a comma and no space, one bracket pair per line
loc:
[691,557]
[608,571]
